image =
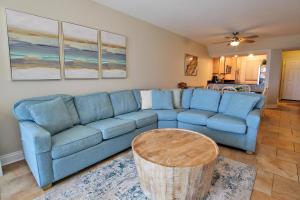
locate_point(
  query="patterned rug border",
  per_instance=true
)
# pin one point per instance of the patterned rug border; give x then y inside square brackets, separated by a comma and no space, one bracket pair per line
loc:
[232,180]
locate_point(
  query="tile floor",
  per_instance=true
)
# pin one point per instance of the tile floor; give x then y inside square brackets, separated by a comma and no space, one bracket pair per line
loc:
[277,160]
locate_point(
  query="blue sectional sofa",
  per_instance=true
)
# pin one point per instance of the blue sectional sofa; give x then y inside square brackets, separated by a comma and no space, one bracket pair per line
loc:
[62,134]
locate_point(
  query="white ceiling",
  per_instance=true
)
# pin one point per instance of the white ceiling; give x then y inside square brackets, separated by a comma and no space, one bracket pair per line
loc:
[208,21]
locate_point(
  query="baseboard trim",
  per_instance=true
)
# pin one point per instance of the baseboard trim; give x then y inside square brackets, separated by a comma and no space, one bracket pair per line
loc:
[11,157]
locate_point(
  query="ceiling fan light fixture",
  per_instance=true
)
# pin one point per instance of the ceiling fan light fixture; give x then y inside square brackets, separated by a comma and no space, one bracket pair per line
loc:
[235,40]
[235,43]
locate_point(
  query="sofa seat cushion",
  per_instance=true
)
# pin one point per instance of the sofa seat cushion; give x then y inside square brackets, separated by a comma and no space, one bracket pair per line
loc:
[227,123]
[141,118]
[167,115]
[194,116]
[74,140]
[112,127]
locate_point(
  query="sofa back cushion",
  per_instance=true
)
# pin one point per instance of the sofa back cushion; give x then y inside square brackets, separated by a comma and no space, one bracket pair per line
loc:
[137,96]
[186,98]
[123,102]
[162,99]
[93,107]
[22,113]
[240,105]
[51,115]
[205,100]
[227,96]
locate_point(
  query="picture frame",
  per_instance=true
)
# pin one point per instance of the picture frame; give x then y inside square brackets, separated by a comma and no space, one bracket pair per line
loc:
[81,51]
[190,65]
[113,55]
[34,49]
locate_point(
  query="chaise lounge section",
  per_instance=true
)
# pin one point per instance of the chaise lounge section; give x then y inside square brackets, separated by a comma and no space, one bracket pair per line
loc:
[62,134]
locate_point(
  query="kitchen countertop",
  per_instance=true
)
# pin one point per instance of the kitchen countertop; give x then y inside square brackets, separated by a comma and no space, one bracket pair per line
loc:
[254,87]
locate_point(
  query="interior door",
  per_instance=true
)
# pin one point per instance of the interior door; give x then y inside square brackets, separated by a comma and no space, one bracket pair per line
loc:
[291,80]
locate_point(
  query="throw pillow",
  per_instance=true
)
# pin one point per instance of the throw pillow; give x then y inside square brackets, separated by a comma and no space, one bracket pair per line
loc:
[162,100]
[240,105]
[146,96]
[51,115]
[177,98]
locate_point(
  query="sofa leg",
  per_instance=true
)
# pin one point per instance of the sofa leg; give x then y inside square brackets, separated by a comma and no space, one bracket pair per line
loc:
[47,186]
[249,152]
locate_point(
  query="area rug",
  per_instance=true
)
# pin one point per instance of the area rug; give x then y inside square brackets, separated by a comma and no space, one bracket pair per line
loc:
[118,180]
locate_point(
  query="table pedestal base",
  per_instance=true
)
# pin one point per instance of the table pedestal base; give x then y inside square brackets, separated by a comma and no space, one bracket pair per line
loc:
[164,183]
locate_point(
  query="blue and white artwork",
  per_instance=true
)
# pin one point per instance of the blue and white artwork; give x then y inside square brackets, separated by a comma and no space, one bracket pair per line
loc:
[33,46]
[80,52]
[113,55]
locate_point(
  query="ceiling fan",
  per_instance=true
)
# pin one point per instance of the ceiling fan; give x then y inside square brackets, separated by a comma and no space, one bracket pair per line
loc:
[236,40]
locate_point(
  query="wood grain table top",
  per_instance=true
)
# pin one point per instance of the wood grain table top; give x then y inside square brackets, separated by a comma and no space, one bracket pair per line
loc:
[175,148]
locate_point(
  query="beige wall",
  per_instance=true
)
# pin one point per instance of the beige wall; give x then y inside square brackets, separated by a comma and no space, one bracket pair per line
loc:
[291,54]
[275,62]
[155,58]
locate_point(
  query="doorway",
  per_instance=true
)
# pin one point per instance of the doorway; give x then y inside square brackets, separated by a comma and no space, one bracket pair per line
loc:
[290,89]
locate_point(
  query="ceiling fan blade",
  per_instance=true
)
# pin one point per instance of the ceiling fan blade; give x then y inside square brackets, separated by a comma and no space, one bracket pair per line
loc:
[228,37]
[220,42]
[250,37]
[247,41]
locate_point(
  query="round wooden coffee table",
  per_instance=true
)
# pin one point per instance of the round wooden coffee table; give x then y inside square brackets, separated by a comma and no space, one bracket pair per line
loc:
[174,163]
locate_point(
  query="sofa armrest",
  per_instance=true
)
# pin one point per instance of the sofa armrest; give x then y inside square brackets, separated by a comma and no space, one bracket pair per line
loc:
[253,119]
[35,136]
[36,143]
